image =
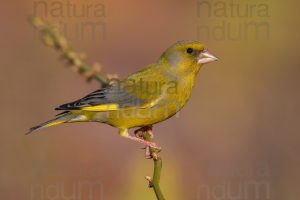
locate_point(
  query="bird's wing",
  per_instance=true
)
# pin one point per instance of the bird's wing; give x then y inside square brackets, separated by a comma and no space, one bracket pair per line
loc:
[135,91]
[105,99]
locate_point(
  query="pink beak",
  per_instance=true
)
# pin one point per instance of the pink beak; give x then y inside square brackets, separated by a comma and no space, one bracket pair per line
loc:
[206,57]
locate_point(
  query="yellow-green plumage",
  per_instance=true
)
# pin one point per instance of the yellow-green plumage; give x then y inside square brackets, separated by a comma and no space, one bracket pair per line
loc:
[144,98]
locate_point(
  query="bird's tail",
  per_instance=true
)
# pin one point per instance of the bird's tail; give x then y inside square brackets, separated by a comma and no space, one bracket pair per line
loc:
[62,118]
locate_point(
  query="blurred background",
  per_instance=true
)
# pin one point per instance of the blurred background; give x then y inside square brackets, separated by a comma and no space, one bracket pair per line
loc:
[237,138]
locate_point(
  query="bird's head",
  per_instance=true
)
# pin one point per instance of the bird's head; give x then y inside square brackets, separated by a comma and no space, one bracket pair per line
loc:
[186,57]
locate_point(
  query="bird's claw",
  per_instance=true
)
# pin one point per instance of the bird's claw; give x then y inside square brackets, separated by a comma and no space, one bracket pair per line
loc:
[139,132]
[148,154]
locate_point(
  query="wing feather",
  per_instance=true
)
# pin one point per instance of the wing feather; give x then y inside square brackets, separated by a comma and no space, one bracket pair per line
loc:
[105,99]
[118,96]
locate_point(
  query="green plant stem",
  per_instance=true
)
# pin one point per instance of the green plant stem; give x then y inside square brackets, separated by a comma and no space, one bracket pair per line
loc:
[157,160]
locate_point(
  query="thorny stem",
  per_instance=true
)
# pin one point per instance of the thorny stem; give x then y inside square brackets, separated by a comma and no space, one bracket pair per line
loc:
[53,38]
[154,181]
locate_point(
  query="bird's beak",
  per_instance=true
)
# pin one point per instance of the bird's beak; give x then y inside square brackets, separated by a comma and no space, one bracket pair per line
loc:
[206,57]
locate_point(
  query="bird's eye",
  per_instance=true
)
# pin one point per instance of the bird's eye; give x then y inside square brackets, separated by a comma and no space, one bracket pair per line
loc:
[189,50]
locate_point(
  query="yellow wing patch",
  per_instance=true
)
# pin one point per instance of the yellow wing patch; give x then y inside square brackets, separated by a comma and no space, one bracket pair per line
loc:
[54,123]
[101,108]
[113,107]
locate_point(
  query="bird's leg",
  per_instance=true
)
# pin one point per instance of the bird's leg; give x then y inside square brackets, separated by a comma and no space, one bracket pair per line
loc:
[144,142]
[124,133]
[139,134]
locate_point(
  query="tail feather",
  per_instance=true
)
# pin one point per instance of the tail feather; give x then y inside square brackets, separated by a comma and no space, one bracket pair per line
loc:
[58,120]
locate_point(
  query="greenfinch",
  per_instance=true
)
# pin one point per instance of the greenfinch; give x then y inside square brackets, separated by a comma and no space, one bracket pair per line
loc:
[144,98]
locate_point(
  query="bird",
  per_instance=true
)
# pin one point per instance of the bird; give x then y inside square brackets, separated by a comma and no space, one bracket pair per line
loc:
[144,98]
